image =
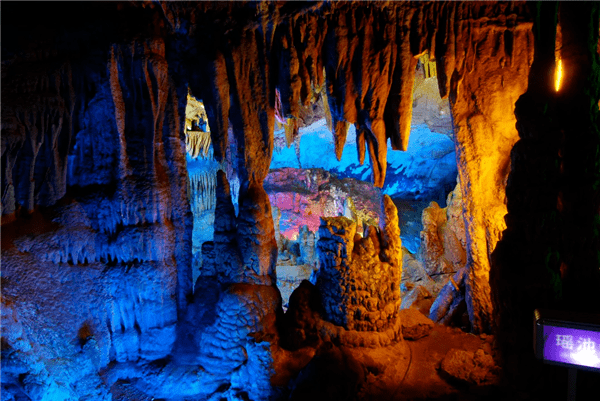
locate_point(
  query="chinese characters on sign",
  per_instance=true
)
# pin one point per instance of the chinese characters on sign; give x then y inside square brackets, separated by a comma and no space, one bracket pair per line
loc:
[583,344]
[572,346]
[564,341]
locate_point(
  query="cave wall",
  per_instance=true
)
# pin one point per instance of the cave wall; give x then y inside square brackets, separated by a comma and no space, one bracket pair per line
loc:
[364,69]
[551,242]
[482,99]
[93,146]
[96,239]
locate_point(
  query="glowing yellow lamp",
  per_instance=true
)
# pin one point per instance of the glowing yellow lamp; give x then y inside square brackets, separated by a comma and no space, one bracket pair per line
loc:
[558,74]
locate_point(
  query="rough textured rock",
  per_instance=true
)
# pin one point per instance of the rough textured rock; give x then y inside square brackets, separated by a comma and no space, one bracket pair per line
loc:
[443,238]
[303,195]
[482,109]
[209,259]
[449,305]
[359,278]
[197,131]
[94,169]
[428,107]
[300,326]
[296,261]
[551,241]
[475,368]
[307,246]
[95,135]
[416,297]
[415,325]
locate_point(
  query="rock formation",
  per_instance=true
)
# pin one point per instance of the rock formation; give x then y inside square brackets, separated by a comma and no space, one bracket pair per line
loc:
[304,195]
[443,239]
[97,283]
[359,278]
[476,368]
[552,238]
[414,324]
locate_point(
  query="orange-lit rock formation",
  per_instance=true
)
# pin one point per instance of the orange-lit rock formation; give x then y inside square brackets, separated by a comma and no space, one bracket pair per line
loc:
[552,239]
[443,239]
[359,278]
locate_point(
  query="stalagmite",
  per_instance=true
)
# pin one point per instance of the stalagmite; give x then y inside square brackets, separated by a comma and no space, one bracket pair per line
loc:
[359,278]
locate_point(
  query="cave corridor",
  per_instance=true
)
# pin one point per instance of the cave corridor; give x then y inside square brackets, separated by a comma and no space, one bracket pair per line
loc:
[273,200]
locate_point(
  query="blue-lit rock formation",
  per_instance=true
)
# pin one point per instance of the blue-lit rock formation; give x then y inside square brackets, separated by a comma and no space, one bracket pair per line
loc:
[426,170]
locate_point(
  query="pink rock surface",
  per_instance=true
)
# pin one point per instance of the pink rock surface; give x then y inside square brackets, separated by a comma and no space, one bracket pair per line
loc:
[303,196]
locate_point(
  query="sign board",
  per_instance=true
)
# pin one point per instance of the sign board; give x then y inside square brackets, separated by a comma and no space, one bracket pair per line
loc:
[567,339]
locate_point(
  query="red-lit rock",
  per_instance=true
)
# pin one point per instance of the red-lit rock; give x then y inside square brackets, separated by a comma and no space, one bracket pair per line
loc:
[303,195]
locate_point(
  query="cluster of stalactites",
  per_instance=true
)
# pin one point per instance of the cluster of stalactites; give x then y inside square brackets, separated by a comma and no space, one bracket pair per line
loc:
[362,55]
[197,143]
[197,131]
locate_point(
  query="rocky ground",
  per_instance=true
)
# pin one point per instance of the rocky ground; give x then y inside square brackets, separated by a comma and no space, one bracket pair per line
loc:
[434,362]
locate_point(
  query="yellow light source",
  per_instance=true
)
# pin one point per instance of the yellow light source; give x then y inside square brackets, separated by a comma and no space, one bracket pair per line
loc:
[558,74]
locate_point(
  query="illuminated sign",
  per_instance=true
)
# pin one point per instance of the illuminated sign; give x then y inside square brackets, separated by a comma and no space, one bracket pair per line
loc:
[567,339]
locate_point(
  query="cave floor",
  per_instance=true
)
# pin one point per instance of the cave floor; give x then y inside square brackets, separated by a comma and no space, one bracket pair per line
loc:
[419,377]
[409,370]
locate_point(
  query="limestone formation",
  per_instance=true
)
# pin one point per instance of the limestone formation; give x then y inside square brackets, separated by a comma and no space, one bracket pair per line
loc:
[307,246]
[414,324]
[485,132]
[416,297]
[443,239]
[475,368]
[303,195]
[552,238]
[449,305]
[359,278]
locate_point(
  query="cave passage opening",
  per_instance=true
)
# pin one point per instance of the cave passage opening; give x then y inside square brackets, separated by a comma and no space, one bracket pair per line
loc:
[306,182]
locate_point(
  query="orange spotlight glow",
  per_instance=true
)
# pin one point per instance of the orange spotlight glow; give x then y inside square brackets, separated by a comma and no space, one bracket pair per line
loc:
[558,74]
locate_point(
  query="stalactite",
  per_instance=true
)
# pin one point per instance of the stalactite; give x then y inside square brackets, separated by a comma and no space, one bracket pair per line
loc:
[214,91]
[197,143]
[291,131]
[289,82]
[338,53]
[309,32]
[202,192]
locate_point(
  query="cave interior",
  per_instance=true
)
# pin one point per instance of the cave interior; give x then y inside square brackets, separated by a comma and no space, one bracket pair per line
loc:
[325,200]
